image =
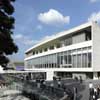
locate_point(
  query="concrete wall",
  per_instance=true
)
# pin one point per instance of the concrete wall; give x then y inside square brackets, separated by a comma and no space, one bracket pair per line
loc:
[49,75]
[83,75]
[96,47]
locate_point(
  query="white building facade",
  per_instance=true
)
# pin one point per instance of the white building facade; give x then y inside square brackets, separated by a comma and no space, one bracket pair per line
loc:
[71,53]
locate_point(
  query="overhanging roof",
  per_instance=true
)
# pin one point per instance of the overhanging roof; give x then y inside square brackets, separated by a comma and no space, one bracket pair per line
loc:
[61,34]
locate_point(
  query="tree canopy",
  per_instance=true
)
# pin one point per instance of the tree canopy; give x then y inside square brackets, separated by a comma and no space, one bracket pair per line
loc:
[7,45]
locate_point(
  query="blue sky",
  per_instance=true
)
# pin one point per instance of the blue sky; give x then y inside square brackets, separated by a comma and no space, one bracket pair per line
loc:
[38,19]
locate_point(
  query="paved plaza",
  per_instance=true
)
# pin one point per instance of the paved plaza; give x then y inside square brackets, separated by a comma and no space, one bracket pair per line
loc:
[14,91]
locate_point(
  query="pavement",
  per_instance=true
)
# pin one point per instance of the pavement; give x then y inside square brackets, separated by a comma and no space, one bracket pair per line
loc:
[14,97]
[83,90]
[11,94]
[84,94]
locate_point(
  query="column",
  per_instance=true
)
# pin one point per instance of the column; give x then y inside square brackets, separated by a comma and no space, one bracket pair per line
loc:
[49,75]
[95,75]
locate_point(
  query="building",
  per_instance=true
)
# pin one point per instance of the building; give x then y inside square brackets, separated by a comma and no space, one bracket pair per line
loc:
[16,65]
[71,53]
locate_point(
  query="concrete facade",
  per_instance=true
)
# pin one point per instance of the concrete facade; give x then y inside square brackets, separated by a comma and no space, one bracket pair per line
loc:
[74,52]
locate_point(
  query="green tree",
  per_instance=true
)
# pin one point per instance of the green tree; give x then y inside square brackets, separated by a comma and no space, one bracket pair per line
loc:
[7,45]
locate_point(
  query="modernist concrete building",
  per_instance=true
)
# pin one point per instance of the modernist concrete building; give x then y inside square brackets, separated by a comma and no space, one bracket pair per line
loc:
[75,52]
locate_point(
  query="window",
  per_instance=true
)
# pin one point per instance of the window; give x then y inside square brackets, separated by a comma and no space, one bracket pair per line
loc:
[65,58]
[36,52]
[58,45]
[88,36]
[33,52]
[40,51]
[51,47]
[89,59]
[78,38]
[45,49]
[68,41]
[84,60]
[69,57]
[58,59]
[74,61]
[79,60]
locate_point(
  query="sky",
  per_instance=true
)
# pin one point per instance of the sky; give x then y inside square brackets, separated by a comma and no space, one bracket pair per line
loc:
[39,19]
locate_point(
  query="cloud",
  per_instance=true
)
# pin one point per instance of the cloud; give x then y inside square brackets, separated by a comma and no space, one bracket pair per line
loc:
[18,36]
[93,1]
[94,17]
[25,40]
[53,17]
[39,27]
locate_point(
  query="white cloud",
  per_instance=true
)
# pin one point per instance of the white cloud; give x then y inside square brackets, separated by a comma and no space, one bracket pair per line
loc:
[53,17]
[94,17]
[93,1]
[18,36]
[39,27]
[25,40]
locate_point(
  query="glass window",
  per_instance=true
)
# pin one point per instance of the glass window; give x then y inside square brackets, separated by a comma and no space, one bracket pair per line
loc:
[61,58]
[69,57]
[89,60]
[68,41]
[74,61]
[58,59]
[65,58]
[84,60]
[79,60]
[45,49]
[36,52]
[40,51]
[88,36]
[51,47]
[78,38]
[58,45]
[33,52]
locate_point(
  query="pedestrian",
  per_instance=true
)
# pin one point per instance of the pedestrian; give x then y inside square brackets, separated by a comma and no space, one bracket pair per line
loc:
[81,79]
[59,83]
[91,94]
[52,87]
[70,93]
[98,91]
[75,93]
[65,97]
[38,84]
[95,94]
[91,91]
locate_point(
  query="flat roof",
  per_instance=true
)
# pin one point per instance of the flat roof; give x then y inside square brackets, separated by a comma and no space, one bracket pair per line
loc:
[58,35]
[15,71]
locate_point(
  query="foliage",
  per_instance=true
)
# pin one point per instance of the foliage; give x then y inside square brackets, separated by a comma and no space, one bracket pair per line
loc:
[7,45]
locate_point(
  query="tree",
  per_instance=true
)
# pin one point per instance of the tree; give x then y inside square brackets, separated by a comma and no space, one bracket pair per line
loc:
[7,45]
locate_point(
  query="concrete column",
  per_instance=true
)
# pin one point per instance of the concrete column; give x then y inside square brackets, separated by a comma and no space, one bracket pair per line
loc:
[95,75]
[55,47]
[49,75]
[42,50]
[48,49]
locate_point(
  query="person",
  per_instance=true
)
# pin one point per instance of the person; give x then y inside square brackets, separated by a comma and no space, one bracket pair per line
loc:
[90,85]
[52,87]
[98,91]
[70,93]
[75,93]
[91,91]
[81,79]
[43,84]
[95,96]
[38,84]
[65,97]
[59,83]
[76,78]
[63,86]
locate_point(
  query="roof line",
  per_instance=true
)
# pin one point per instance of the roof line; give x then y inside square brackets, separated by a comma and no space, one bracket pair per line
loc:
[60,34]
